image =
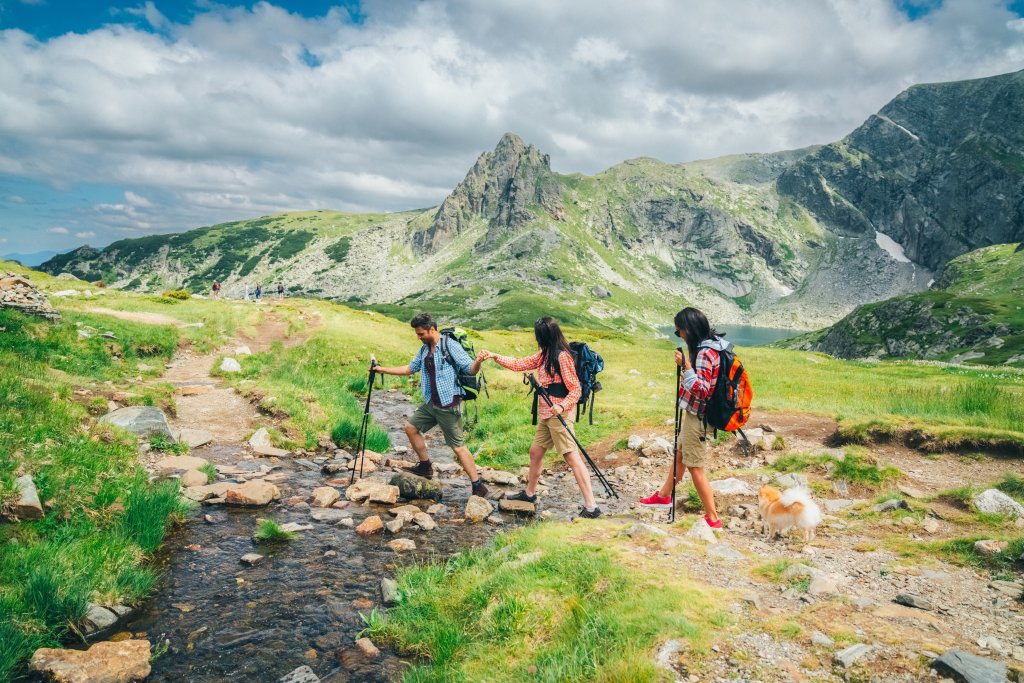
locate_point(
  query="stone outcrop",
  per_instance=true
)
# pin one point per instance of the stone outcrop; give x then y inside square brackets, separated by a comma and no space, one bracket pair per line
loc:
[412,487]
[142,421]
[107,662]
[18,292]
[938,169]
[500,189]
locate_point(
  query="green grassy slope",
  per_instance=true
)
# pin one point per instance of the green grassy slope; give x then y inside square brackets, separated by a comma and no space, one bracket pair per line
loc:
[976,307]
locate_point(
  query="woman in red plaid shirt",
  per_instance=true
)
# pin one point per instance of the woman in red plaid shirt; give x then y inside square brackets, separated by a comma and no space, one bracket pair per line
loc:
[700,366]
[556,372]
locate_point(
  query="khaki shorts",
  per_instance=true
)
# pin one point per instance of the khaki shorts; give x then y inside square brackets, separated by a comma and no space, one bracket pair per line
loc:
[693,449]
[550,432]
[450,419]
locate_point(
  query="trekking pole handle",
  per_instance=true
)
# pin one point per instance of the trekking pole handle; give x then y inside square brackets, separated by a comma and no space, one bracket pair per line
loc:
[373,361]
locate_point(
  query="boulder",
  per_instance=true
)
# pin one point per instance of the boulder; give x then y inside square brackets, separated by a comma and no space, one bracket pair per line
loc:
[477,509]
[230,365]
[301,675]
[260,443]
[201,493]
[252,493]
[99,617]
[412,487]
[389,592]
[964,667]
[641,529]
[142,421]
[324,496]
[424,521]
[367,648]
[656,447]
[108,662]
[499,477]
[517,507]
[635,442]
[371,491]
[996,502]
[369,526]
[990,546]
[732,487]
[364,465]
[792,479]
[847,657]
[193,438]
[27,505]
[243,351]
[702,531]
[179,463]
[402,544]
[194,478]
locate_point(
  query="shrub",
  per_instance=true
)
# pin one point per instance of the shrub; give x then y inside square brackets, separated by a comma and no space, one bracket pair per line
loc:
[179,294]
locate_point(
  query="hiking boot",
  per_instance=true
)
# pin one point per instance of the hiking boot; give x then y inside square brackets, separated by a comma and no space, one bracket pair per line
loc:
[590,514]
[424,469]
[479,489]
[717,524]
[654,500]
[523,496]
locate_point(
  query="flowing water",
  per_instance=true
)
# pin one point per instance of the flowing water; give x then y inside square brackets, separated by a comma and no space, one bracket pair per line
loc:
[301,605]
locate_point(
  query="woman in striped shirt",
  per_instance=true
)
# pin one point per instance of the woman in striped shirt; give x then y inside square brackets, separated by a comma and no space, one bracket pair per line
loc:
[556,372]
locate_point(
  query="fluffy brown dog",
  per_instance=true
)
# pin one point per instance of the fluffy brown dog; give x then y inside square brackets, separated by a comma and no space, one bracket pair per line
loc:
[781,512]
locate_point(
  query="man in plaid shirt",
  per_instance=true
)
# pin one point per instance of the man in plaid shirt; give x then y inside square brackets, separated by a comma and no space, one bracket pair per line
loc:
[442,399]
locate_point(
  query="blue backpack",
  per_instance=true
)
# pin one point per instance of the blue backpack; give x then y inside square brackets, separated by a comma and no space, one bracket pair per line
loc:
[588,363]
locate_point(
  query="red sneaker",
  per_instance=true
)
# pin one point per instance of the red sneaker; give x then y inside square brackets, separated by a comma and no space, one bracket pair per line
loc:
[654,500]
[714,525]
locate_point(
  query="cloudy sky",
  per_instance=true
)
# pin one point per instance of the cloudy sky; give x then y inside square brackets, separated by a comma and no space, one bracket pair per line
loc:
[125,119]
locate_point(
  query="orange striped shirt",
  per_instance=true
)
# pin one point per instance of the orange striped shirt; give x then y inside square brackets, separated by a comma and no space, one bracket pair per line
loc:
[567,376]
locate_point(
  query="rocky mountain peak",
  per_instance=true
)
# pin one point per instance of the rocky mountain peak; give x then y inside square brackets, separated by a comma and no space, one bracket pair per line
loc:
[940,170]
[501,189]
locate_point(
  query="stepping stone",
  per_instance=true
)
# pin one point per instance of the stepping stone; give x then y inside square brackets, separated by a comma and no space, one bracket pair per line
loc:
[517,507]
[250,558]
[301,675]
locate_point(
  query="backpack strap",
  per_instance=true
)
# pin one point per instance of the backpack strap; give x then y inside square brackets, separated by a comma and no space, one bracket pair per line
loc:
[536,399]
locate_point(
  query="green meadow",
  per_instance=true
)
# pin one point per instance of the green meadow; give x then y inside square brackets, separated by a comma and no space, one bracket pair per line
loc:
[572,613]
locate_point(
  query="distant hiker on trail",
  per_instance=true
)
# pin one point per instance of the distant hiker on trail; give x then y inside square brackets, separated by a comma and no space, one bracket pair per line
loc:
[700,365]
[442,399]
[259,290]
[280,291]
[216,289]
[556,372]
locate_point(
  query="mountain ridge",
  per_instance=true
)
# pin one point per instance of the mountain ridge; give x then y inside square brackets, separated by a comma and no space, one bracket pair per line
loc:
[753,238]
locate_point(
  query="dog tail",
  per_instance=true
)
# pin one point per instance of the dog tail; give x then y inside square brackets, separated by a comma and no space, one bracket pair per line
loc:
[810,516]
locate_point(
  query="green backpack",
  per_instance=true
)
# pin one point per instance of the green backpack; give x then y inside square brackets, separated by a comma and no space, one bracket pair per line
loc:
[471,386]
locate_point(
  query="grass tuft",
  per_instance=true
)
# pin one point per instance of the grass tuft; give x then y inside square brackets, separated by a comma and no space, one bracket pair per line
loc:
[269,531]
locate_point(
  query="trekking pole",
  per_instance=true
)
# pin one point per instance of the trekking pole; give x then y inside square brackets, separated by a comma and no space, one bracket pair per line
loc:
[675,443]
[364,428]
[541,391]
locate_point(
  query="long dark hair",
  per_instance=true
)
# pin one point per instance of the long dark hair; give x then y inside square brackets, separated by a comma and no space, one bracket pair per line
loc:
[697,328]
[550,340]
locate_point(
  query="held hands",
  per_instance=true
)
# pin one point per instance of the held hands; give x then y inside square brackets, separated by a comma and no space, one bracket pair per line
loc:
[483,355]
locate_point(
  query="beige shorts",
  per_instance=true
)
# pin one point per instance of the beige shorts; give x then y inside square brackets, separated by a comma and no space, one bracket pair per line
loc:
[550,432]
[691,443]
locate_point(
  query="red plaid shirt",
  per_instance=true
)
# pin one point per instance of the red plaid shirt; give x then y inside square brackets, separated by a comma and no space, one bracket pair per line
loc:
[567,376]
[699,382]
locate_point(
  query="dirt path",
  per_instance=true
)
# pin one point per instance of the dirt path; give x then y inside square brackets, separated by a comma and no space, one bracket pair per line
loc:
[204,403]
[138,316]
[855,568]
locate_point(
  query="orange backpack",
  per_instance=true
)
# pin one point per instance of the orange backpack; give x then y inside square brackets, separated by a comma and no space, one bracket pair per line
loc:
[729,404]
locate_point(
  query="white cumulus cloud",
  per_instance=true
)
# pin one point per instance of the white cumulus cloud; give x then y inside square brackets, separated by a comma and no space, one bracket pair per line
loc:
[250,110]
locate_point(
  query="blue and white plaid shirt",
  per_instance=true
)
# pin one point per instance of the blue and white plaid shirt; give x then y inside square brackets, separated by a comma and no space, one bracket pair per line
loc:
[447,386]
